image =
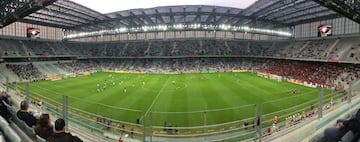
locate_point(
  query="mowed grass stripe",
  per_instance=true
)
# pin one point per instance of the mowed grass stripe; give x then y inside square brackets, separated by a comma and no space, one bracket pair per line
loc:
[155,99]
[222,100]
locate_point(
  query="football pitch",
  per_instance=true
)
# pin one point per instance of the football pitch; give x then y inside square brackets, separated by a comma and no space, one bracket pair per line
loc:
[180,100]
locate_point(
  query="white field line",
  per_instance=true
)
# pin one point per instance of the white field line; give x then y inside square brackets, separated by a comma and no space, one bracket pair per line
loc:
[153,102]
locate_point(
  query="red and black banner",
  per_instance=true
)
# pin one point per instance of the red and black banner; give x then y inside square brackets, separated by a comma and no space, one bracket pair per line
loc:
[324,30]
[33,32]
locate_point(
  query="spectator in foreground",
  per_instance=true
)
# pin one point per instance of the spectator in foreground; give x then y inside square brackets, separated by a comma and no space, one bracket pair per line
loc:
[26,115]
[43,128]
[60,135]
[334,134]
[4,112]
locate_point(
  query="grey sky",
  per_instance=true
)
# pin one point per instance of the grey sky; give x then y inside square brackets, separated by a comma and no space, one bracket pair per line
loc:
[107,6]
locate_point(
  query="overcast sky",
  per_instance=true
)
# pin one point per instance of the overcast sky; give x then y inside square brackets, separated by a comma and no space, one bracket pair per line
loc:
[107,6]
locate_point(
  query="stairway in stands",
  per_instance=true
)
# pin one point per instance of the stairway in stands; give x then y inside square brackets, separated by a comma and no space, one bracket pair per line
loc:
[6,73]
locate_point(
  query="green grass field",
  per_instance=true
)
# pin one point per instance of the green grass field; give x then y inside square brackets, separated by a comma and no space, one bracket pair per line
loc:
[179,100]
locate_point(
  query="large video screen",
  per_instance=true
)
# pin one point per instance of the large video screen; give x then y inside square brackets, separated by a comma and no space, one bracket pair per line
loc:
[33,33]
[324,30]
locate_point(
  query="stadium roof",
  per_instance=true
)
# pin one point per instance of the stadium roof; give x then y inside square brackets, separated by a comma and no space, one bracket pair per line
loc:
[264,13]
[295,12]
[64,14]
[12,10]
[108,6]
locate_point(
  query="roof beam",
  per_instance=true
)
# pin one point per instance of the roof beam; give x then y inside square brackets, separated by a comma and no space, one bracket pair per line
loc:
[233,20]
[10,14]
[74,12]
[210,19]
[172,19]
[136,18]
[88,11]
[54,20]
[211,16]
[58,16]
[180,14]
[94,26]
[293,12]
[158,17]
[331,16]
[51,24]
[197,19]
[123,23]
[285,9]
[148,20]
[274,5]
[122,20]
[223,17]
[303,17]
[349,11]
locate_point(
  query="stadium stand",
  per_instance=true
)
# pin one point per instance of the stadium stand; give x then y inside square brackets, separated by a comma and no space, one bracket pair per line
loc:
[324,49]
[9,133]
[281,41]
[240,55]
[5,73]
[25,71]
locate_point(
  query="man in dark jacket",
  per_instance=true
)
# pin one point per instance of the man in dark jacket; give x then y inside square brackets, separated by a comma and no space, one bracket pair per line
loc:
[26,115]
[60,135]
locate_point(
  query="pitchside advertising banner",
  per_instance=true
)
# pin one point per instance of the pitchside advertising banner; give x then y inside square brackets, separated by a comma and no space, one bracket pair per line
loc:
[32,32]
[324,30]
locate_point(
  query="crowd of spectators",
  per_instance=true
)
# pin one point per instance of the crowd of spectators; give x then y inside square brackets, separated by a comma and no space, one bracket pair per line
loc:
[159,65]
[163,48]
[319,73]
[312,49]
[301,118]
[26,71]
[80,67]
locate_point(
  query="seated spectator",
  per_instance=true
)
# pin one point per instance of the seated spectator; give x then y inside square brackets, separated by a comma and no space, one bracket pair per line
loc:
[276,120]
[26,115]
[60,135]
[334,134]
[5,97]
[4,112]
[43,128]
